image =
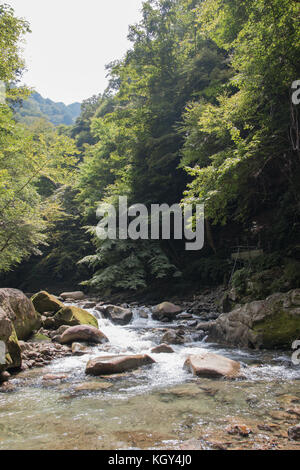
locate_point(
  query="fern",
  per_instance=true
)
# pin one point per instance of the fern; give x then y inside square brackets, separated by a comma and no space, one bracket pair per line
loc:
[127,264]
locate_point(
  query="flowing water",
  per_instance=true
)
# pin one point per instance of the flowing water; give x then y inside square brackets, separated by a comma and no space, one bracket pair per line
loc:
[158,407]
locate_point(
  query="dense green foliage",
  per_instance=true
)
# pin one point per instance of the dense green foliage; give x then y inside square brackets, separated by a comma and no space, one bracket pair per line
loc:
[199,110]
[33,162]
[205,89]
[245,141]
[37,107]
[12,30]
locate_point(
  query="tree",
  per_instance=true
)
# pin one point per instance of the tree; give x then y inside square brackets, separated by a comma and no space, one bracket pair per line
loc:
[33,162]
[139,137]
[246,162]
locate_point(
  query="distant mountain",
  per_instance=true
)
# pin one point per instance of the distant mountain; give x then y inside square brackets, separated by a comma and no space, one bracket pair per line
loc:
[38,107]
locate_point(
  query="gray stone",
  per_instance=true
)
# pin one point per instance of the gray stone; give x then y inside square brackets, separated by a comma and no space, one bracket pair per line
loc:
[117,315]
[162,348]
[78,295]
[273,323]
[166,311]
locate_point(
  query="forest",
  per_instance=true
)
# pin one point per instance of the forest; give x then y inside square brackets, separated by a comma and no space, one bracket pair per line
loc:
[128,343]
[199,110]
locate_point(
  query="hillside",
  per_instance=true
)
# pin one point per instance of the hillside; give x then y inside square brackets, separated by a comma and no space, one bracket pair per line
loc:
[38,107]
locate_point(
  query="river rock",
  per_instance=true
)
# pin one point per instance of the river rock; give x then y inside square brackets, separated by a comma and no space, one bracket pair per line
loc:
[184,316]
[78,295]
[20,310]
[294,433]
[173,337]
[165,311]
[52,377]
[108,365]
[240,429]
[79,349]
[61,329]
[9,346]
[49,323]
[162,348]
[7,387]
[18,319]
[89,305]
[44,302]
[93,386]
[204,326]
[86,333]
[37,354]
[212,365]
[273,323]
[58,332]
[118,315]
[73,316]
[143,314]
[4,376]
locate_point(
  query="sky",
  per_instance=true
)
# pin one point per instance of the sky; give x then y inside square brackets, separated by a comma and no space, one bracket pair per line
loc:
[72,41]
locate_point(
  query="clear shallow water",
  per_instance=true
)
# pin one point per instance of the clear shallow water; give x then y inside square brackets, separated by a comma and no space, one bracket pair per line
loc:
[156,407]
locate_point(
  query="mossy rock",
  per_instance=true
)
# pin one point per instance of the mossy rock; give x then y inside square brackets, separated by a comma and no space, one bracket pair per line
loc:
[273,323]
[279,330]
[257,283]
[73,316]
[14,351]
[13,358]
[281,326]
[20,310]
[45,302]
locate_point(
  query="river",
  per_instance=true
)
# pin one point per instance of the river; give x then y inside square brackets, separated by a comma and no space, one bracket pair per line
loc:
[160,407]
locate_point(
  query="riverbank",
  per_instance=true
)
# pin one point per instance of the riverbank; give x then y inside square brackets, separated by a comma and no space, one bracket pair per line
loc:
[161,406]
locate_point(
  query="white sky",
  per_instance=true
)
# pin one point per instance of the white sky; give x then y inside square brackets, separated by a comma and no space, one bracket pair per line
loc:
[72,41]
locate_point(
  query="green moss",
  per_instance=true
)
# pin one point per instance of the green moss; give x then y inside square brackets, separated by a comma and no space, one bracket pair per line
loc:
[278,330]
[40,338]
[73,316]
[292,273]
[25,325]
[44,302]
[239,280]
[14,351]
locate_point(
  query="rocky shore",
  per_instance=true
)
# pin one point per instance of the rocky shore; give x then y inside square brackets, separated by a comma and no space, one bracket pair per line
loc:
[45,327]
[38,330]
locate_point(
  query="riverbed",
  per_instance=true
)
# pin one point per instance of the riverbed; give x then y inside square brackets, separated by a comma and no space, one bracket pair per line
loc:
[157,407]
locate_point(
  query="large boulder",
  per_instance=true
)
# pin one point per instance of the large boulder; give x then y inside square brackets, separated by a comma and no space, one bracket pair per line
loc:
[118,315]
[73,316]
[108,365]
[273,323]
[212,365]
[10,352]
[44,302]
[86,333]
[166,311]
[6,328]
[20,310]
[78,295]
